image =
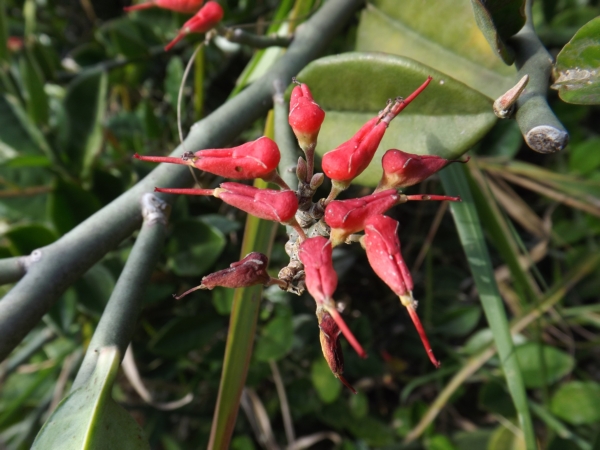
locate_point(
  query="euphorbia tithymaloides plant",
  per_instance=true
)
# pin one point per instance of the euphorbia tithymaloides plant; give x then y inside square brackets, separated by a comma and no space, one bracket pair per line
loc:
[317,227]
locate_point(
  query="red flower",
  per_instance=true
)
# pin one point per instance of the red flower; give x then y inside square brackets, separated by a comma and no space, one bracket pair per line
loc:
[329,335]
[305,116]
[383,251]
[256,159]
[182,6]
[251,270]
[268,204]
[352,157]
[348,216]
[321,282]
[401,169]
[204,20]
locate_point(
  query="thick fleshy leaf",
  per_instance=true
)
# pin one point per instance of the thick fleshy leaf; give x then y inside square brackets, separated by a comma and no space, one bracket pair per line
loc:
[499,20]
[445,120]
[443,36]
[577,402]
[89,418]
[81,127]
[576,73]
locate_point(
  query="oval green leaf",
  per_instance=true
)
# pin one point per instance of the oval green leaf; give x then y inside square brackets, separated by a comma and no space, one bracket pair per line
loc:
[444,36]
[577,73]
[276,338]
[556,364]
[194,247]
[445,120]
[499,20]
[69,205]
[89,418]
[577,402]
[328,387]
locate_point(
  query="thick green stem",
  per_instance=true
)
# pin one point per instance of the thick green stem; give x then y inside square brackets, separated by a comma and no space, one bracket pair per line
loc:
[120,315]
[12,269]
[542,131]
[253,40]
[286,141]
[67,259]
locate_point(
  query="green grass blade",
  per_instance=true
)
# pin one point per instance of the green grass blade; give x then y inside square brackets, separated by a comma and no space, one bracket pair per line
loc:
[471,235]
[258,237]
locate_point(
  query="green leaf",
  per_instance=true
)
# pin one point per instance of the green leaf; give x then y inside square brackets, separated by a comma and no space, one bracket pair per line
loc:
[69,205]
[359,405]
[81,128]
[89,418]
[194,247]
[184,334]
[23,239]
[577,402]
[493,397]
[576,72]
[276,338]
[94,289]
[18,135]
[556,364]
[36,98]
[124,36]
[3,34]
[444,36]
[222,300]
[458,321]
[584,157]
[439,442]
[499,20]
[505,439]
[328,387]
[173,80]
[445,120]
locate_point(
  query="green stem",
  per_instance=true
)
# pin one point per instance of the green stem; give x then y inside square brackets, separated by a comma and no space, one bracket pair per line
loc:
[542,131]
[81,248]
[120,315]
[12,269]
[286,141]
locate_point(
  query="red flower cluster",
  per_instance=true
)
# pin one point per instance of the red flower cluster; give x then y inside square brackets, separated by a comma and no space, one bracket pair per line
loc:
[330,223]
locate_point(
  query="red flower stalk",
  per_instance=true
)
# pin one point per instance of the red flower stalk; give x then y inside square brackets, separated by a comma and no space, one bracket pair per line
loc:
[329,335]
[204,20]
[268,204]
[348,216]
[321,282]
[305,118]
[383,251]
[182,6]
[351,158]
[251,270]
[401,169]
[256,159]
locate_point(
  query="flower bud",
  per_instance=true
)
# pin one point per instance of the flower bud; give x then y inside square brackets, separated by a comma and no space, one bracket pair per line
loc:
[321,278]
[348,216]
[383,252]
[305,116]
[181,6]
[401,169]
[268,204]
[251,270]
[321,282]
[351,158]
[316,181]
[204,20]
[301,169]
[256,159]
[329,335]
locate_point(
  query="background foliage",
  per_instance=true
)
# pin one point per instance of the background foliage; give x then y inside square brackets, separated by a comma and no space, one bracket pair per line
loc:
[90,86]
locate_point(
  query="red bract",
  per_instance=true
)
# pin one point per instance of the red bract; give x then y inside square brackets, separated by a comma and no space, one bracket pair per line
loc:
[321,278]
[349,160]
[182,6]
[256,159]
[329,335]
[268,204]
[321,282]
[251,270]
[348,216]
[204,20]
[401,169]
[383,251]
[305,116]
